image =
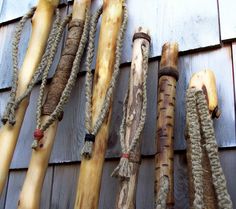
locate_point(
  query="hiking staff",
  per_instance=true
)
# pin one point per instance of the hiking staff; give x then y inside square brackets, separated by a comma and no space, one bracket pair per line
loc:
[9,132]
[134,115]
[207,184]
[98,101]
[168,76]
[50,113]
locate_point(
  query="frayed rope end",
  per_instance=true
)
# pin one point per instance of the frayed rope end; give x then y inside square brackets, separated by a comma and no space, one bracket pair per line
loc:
[87,150]
[124,169]
[35,144]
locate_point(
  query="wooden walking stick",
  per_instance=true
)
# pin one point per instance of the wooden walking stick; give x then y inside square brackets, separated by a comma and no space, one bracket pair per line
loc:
[58,94]
[41,25]
[133,122]
[168,76]
[207,185]
[98,104]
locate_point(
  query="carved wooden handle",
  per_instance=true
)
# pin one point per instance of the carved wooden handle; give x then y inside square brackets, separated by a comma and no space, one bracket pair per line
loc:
[168,76]
[63,71]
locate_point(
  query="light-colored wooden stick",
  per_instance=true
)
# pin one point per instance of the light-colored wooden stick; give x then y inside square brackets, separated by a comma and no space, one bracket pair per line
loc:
[89,182]
[165,119]
[126,196]
[31,192]
[204,80]
[41,25]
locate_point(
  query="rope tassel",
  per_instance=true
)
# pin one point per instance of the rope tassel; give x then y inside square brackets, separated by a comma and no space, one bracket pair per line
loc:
[88,146]
[125,167]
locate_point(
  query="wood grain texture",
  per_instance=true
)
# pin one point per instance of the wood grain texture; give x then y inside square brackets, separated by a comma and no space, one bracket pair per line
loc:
[6,35]
[227,19]
[186,22]
[3,197]
[221,64]
[11,11]
[16,179]
[64,186]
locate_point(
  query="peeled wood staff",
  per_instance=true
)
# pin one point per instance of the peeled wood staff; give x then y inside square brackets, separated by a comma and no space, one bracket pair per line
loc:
[98,101]
[207,184]
[168,76]
[134,111]
[50,113]
[41,25]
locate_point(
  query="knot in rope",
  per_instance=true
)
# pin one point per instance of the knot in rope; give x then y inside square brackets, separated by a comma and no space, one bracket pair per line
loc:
[125,167]
[200,127]
[57,113]
[87,149]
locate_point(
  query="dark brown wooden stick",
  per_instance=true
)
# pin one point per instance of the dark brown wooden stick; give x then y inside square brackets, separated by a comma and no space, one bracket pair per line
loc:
[168,76]
[127,190]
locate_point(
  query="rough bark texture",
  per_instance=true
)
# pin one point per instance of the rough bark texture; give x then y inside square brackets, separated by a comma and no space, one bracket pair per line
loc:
[63,71]
[31,191]
[41,25]
[165,120]
[126,197]
[89,182]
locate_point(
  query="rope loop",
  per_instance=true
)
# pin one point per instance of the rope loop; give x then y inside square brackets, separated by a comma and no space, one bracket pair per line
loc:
[87,149]
[200,127]
[56,114]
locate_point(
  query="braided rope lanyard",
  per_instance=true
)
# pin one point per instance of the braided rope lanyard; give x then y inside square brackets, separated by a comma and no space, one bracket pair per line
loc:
[91,132]
[41,127]
[126,165]
[200,126]
[13,104]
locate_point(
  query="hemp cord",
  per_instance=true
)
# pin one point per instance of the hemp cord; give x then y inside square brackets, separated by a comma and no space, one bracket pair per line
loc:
[13,104]
[200,123]
[92,131]
[69,86]
[125,166]
[162,193]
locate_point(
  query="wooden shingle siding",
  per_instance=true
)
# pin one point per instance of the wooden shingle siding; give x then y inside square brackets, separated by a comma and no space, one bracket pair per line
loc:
[227,10]
[221,63]
[60,194]
[6,36]
[16,179]
[11,10]
[70,135]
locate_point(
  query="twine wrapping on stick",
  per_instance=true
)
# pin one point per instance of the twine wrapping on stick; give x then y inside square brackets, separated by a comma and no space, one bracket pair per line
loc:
[126,165]
[56,114]
[92,131]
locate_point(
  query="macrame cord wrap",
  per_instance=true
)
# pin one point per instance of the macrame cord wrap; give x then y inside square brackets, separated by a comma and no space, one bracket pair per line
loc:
[56,114]
[200,127]
[125,167]
[91,132]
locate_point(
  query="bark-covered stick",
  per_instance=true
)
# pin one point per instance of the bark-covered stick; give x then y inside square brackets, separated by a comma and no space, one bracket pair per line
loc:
[168,76]
[126,196]
[41,25]
[89,182]
[31,191]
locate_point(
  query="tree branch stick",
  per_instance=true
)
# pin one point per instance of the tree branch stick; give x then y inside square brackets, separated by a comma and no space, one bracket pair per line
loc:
[89,182]
[41,25]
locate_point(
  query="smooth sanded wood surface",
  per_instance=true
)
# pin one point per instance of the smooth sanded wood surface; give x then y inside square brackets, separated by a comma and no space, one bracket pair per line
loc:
[15,183]
[227,19]
[6,36]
